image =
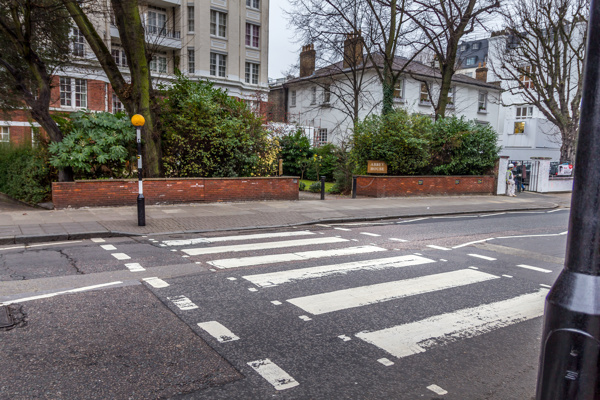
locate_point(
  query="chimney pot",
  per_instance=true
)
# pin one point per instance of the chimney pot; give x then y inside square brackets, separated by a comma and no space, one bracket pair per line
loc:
[307,60]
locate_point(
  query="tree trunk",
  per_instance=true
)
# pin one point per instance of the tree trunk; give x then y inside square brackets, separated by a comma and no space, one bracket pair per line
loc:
[568,146]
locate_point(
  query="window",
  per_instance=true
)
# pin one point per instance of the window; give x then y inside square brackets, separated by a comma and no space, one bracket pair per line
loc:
[73,92]
[253,3]
[519,127]
[322,136]
[326,94]
[4,134]
[471,60]
[252,73]
[524,112]
[191,19]
[252,35]
[482,103]
[399,90]
[293,98]
[117,106]
[424,98]
[462,47]
[451,96]
[218,64]
[526,77]
[218,24]
[157,21]
[158,64]
[119,57]
[80,93]
[191,60]
[313,95]
[476,46]
[78,43]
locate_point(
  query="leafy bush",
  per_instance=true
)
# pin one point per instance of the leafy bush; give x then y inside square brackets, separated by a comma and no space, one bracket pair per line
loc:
[342,175]
[399,138]
[461,147]
[208,133]
[294,148]
[24,172]
[315,187]
[302,186]
[95,145]
[324,162]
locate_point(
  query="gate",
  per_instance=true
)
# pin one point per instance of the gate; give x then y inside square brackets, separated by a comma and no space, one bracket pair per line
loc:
[526,175]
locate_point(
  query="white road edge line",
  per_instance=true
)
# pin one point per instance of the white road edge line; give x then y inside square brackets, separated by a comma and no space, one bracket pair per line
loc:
[483,257]
[433,246]
[273,374]
[26,246]
[546,271]
[218,331]
[369,234]
[412,220]
[47,295]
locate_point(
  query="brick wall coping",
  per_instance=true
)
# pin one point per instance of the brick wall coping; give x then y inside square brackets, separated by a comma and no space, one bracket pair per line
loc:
[177,179]
[424,176]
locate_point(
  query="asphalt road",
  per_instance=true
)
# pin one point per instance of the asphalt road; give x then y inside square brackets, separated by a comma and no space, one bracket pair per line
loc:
[425,308]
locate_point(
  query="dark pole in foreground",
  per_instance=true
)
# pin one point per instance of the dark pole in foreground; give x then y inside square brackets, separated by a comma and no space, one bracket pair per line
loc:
[139,121]
[323,187]
[353,187]
[570,358]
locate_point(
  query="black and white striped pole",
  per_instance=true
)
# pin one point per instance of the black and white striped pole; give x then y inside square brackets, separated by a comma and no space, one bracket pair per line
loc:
[138,121]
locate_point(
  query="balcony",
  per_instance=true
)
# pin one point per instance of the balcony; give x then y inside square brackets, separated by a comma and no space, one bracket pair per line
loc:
[160,37]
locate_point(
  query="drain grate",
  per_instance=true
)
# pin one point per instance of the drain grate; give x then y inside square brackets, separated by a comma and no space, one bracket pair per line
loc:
[6,320]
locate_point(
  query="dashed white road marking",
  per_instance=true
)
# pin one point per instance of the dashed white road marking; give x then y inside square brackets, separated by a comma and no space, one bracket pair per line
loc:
[558,209]
[156,282]
[135,267]
[276,302]
[289,276]
[364,295]
[120,256]
[183,303]
[433,246]
[412,220]
[273,374]
[545,286]
[98,240]
[326,226]
[343,229]
[354,240]
[189,242]
[231,278]
[345,338]
[263,246]
[287,257]
[48,295]
[470,243]
[538,269]
[369,234]
[253,289]
[185,256]
[386,362]
[437,390]
[507,276]
[417,337]
[473,267]
[441,259]
[483,257]
[398,240]
[305,318]
[108,247]
[218,331]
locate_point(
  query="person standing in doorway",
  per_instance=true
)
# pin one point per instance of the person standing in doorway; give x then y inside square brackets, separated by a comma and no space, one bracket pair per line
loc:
[510,181]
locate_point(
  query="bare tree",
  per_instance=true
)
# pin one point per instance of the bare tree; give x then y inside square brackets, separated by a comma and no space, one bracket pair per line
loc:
[540,60]
[442,25]
[34,36]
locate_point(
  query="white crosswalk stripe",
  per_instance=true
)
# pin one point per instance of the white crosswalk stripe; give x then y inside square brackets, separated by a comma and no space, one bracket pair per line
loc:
[371,294]
[299,256]
[190,242]
[417,337]
[263,246]
[283,277]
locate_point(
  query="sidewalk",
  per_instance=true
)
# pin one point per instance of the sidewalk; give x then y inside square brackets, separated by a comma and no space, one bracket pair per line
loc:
[28,225]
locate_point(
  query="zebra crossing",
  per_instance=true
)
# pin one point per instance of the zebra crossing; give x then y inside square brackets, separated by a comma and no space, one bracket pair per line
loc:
[314,284]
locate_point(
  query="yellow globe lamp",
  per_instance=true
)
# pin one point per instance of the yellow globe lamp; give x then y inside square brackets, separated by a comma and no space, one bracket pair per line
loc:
[138,120]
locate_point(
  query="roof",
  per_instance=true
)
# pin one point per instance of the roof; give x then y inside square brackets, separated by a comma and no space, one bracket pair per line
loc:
[414,68]
[477,49]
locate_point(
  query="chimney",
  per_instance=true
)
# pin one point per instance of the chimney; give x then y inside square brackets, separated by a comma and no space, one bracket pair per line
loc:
[481,73]
[353,50]
[307,60]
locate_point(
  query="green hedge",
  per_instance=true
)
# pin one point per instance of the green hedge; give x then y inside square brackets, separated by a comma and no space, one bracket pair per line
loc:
[25,173]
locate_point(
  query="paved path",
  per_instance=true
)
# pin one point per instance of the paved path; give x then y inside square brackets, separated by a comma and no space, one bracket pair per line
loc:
[27,225]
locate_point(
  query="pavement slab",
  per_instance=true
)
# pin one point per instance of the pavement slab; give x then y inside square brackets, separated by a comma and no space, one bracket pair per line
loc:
[80,336]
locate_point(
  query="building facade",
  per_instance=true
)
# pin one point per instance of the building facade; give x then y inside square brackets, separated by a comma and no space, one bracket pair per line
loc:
[223,41]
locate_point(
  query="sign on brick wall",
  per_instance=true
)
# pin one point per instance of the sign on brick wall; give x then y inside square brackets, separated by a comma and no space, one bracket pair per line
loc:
[376,167]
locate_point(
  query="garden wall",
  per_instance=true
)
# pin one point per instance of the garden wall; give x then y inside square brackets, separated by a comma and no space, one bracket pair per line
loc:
[395,186]
[122,192]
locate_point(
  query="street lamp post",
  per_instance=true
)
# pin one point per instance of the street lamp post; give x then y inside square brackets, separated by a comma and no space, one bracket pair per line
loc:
[570,357]
[138,121]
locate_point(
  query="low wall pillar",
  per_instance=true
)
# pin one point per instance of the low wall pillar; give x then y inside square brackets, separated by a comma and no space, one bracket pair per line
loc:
[543,174]
[502,168]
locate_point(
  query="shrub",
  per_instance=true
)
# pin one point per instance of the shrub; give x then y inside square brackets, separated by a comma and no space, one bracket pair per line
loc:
[315,187]
[461,147]
[398,138]
[208,133]
[295,147]
[324,162]
[342,175]
[95,145]
[24,172]
[302,186]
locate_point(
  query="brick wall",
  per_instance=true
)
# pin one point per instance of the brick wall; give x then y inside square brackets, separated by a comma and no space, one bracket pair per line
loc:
[119,192]
[395,186]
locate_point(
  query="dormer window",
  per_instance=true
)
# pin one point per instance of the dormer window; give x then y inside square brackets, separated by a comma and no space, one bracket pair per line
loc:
[476,46]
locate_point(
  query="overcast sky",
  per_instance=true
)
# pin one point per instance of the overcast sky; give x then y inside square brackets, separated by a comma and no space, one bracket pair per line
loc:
[283,52]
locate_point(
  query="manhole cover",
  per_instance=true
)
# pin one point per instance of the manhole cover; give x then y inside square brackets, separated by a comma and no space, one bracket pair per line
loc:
[5,318]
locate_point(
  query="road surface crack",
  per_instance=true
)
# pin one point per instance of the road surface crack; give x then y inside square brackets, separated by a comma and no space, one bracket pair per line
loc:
[72,262]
